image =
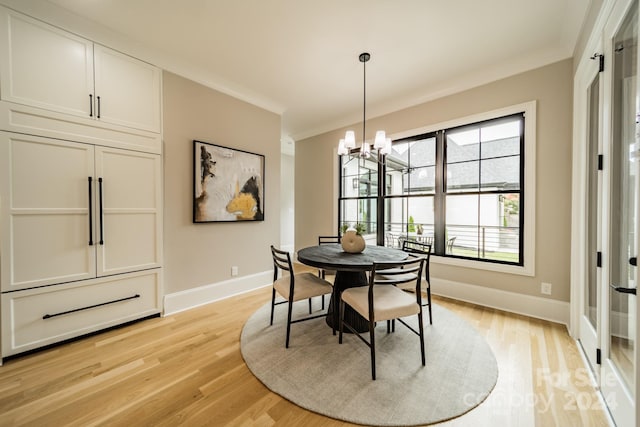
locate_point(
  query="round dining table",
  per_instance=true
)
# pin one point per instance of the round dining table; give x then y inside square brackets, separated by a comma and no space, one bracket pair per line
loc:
[350,272]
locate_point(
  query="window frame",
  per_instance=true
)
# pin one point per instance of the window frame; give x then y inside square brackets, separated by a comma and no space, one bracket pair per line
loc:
[481,191]
[527,187]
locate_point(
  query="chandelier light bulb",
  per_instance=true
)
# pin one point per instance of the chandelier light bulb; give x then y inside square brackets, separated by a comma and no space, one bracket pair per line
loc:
[380,141]
[387,147]
[350,139]
[342,150]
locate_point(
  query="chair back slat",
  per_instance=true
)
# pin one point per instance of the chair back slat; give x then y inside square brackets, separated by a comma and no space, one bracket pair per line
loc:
[420,249]
[281,260]
[415,247]
[397,269]
[325,240]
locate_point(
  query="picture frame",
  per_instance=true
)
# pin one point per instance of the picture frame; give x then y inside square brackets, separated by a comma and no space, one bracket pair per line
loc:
[228,184]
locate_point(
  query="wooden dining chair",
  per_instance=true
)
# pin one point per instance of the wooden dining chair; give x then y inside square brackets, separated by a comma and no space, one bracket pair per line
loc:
[423,250]
[294,287]
[378,301]
[325,240]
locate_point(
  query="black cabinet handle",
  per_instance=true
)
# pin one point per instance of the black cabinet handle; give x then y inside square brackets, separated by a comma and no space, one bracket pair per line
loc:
[633,261]
[101,212]
[90,105]
[98,98]
[623,290]
[62,313]
[90,212]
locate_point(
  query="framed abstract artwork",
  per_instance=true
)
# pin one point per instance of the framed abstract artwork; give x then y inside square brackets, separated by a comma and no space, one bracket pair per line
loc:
[228,184]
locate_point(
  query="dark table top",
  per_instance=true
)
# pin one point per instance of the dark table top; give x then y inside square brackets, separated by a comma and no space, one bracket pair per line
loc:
[333,257]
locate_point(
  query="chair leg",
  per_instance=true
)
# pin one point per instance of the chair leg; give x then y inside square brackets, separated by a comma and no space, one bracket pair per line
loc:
[341,317]
[310,306]
[391,325]
[273,303]
[429,301]
[322,302]
[289,322]
[334,300]
[421,329]
[372,338]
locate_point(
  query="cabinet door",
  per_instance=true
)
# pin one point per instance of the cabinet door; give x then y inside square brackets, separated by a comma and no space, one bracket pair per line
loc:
[127,90]
[129,221]
[45,211]
[43,66]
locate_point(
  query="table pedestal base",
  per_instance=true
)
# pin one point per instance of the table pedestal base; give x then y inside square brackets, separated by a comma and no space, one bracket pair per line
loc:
[344,280]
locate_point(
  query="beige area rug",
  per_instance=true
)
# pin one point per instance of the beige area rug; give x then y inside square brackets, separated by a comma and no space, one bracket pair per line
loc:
[334,380]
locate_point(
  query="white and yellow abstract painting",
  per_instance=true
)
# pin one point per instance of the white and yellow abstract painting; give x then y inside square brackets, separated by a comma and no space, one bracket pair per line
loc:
[228,184]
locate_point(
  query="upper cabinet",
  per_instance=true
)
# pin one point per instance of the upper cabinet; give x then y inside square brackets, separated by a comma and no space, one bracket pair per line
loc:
[46,67]
[127,91]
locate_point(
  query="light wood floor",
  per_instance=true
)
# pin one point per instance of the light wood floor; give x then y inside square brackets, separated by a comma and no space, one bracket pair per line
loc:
[187,369]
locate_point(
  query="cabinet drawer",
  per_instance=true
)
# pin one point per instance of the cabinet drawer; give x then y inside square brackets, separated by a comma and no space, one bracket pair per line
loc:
[38,317]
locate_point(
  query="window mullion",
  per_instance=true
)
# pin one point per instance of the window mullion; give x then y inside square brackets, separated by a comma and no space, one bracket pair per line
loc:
[440,196]
[382,184]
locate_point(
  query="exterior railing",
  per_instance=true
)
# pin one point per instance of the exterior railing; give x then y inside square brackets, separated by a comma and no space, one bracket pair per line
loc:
[490,242]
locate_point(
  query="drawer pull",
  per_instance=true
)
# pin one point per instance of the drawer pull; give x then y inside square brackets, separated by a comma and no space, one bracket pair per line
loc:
[49,316]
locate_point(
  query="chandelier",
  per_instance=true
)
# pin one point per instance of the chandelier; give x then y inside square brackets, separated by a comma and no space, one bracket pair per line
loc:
[381,143]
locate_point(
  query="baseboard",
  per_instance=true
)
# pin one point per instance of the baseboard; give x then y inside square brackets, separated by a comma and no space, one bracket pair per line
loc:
[538,307]
[191,298]
[541,308]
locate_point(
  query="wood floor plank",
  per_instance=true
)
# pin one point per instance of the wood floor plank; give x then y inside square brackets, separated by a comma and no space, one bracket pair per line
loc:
[187,369]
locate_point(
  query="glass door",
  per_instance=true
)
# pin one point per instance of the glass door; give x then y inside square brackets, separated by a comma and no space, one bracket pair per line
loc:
[620,345]
[590,325]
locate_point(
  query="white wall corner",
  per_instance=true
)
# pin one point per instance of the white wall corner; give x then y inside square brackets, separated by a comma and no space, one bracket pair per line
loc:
[191,298]
[532,306]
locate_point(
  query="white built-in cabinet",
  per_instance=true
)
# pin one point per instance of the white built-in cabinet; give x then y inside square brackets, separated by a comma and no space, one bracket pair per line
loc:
[49,68]
[82,211]
[80,185]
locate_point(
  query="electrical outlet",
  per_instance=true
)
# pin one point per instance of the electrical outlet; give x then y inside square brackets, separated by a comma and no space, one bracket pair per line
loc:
[234,270]
[545,288]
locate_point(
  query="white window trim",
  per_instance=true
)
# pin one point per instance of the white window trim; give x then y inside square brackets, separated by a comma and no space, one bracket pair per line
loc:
[529,232]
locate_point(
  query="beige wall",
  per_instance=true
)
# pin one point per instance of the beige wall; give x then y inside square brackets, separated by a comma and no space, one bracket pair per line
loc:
[551,86]
[202,254]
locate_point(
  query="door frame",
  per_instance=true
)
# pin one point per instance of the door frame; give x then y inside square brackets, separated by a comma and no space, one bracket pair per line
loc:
[609,20]
[579,167]
[586,74]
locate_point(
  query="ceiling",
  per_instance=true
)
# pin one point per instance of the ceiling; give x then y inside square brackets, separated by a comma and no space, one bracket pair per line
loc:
[299,58]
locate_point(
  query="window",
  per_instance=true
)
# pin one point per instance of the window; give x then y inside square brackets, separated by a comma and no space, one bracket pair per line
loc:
[410,174]
[359,194]
[483,190]
[460,187]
